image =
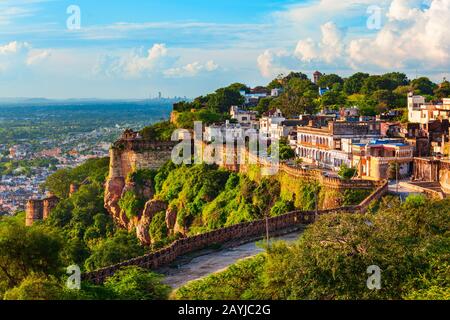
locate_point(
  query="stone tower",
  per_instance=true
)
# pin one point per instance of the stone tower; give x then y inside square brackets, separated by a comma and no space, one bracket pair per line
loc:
[48,205]
[316,77]
[34,211]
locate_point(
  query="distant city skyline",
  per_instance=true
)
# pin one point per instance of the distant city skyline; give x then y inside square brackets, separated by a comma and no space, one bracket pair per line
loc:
[137,49]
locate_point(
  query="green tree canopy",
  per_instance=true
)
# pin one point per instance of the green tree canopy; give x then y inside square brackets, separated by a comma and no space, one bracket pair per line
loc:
[133,283]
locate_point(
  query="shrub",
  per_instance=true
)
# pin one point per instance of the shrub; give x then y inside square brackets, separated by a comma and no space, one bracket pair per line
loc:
[131,204]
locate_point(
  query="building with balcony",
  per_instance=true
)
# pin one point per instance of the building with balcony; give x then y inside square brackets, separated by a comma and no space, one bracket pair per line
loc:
[330,146]
[383,159]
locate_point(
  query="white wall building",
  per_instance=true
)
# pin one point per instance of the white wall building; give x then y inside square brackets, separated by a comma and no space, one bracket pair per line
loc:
[421,112]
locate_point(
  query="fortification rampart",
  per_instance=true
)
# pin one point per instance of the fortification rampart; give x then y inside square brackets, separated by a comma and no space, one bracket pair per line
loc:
[237,232]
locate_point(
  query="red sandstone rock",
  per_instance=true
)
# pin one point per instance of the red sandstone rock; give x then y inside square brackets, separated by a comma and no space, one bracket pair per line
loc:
[152,207]
[171,219]
[113,192]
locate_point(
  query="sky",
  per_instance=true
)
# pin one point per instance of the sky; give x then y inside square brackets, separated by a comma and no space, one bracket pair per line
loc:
[134,49]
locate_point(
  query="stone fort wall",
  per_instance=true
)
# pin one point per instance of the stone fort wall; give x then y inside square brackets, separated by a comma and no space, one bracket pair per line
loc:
[237,232]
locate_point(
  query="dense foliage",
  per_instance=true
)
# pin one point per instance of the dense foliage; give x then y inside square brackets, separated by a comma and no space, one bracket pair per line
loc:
[79,231]
[372,94]
[410,243]
[161,131]
[93,170]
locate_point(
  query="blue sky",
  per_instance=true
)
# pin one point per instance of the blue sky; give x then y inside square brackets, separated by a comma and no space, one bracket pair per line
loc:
[134,49]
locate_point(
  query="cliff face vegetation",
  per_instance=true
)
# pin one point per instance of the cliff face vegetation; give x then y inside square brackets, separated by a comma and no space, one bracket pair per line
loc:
[409,242]
[177,201]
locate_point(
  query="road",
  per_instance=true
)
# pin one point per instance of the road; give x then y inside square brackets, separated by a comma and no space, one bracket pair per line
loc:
[207,262]
[402,191]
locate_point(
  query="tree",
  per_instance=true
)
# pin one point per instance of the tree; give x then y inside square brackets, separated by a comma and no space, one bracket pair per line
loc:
[132,204]
[346,173]
[374,83]
[384,100]
[93,170]
[329,80]
[410,244]
[443,91]
[123,246]
[423,86]
[266,194]
[397,79]
[263,105]
[161,131]
[281,207]
[25,251]
[332,99]
[133,283]
[37,288]
[355,83]
[222,100]
[285,152]
[297,98]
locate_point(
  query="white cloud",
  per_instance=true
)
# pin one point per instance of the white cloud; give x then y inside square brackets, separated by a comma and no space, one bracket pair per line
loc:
[273,62]
[402,10]
[134,64]
[15,56]
[157,61]
[137,65]
[14,47]
[36,56]
[414,36]
[191,69]
[329,49]
[411,38]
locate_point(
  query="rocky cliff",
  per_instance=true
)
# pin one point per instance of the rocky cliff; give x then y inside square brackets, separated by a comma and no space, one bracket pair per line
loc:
[127,155]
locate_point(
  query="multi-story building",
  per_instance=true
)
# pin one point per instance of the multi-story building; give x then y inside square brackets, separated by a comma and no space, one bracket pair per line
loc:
[229,132]
[330,146]
[421,112]
[253,96]
[430,120]
[383,158]
[242,116]
[269,122]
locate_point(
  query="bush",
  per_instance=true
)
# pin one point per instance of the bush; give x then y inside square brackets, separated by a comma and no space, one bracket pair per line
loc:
[123,246]
[161,131]
[158,229]
[131,204]
[346,173]
[37,288]
[281,207]
[133,283]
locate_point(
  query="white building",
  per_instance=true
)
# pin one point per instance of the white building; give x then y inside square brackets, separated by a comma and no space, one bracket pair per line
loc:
[229,132]
[268,124]
[421,112]
[242,116]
